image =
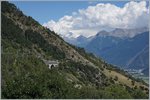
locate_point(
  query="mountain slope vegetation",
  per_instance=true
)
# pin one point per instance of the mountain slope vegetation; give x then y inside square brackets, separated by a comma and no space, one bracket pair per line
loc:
[25,43]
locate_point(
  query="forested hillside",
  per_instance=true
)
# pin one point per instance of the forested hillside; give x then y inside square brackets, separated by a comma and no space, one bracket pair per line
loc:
[26,43]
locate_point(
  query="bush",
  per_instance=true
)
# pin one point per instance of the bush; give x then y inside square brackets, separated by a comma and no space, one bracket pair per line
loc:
[51,50]
[133,82]
[116,78]
[138,94]
[116,92]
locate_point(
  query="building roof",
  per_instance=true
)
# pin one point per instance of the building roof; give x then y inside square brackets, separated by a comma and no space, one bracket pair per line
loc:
[51,62]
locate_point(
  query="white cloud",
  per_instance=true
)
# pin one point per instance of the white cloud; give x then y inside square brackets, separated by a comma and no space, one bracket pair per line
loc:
[89,21]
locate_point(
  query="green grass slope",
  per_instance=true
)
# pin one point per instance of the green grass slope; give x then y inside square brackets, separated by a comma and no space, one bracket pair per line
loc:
[79,75]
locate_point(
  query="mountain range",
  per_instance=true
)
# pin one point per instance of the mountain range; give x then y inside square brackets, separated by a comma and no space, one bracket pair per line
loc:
[120,47]
[26,45]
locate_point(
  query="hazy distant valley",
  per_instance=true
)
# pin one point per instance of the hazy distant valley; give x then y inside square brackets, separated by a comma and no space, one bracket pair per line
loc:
[130,53]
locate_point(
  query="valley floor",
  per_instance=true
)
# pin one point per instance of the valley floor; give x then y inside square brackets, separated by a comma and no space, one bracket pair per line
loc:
[138,74]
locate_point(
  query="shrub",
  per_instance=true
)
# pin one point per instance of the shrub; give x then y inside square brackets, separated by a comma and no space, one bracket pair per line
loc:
[116,78]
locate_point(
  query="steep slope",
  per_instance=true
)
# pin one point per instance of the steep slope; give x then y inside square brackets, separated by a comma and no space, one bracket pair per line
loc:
[101,44]
[25,44]
[140,60]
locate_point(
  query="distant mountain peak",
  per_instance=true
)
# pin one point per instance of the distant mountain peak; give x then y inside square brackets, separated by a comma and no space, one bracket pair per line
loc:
[122,33]
[81,37]
[102,33]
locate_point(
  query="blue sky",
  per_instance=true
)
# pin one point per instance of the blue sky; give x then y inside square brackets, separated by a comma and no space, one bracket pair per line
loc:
[43,11]
[89,17]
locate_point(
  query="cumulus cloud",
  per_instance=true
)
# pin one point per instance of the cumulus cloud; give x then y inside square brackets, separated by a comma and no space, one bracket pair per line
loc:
[89,21]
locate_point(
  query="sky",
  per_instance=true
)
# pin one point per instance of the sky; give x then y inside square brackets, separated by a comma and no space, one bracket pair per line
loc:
[53,10]
[74,18]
